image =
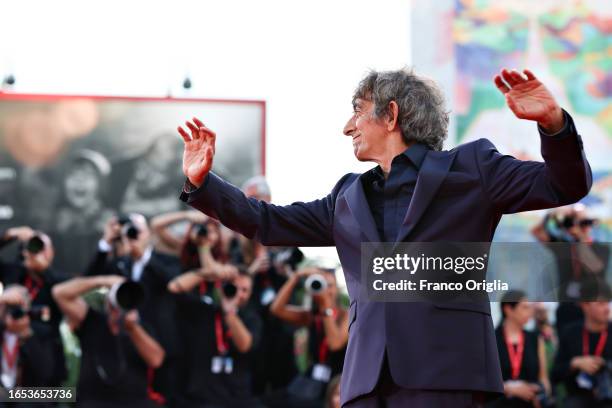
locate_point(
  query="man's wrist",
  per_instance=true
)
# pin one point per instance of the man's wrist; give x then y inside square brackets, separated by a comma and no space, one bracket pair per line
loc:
[554,124]
[230,312]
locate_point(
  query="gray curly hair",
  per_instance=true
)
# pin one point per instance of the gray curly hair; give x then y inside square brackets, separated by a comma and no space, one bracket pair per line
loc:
[423,117]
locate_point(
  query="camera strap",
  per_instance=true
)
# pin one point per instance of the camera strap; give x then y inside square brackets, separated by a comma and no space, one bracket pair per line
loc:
[33,287]
[601,343]
[321,339]
[151,393]
[221,336]
[10,356]
[515,355]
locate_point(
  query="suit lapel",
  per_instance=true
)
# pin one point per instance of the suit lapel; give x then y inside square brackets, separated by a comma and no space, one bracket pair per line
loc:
[432,173]
[358,204]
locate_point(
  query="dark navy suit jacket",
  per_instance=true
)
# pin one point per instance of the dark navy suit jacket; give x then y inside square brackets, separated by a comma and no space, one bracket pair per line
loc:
[460,195]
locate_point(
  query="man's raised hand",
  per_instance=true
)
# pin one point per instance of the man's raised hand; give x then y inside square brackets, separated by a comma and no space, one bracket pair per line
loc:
[198,152]
[529,99]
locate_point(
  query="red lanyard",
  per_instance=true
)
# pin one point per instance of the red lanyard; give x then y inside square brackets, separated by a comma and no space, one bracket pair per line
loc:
[222,341]
[203,288]
[516,356]
[32,290]
[10,356]
[323,346]
[151,393]
[601,343]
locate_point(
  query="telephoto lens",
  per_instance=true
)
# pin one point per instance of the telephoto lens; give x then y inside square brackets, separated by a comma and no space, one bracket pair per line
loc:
[126,295]
[229,290]
[35,245]
[315,284]
[201,231]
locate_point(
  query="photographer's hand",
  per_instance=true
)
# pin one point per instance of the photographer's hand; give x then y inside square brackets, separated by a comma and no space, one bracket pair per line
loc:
[22,234]
[147,347]
[521,389]
[198,152]
[260,264]
[588,364]
[13,296]
[239,333]
[112,230]
[229,305]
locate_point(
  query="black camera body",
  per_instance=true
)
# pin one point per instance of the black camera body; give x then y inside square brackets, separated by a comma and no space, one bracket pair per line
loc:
[36,312]
[35,245]
[229,290]
[201,230]
[128,229]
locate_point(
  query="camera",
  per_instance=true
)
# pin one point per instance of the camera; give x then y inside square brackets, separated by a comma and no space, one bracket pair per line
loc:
[290,256]
[229,290]
[315,284]
[128,229]
[35,245]
[201,230]
[36,312]
[126,295]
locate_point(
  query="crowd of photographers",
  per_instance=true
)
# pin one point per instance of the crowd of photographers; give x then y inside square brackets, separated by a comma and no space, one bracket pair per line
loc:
[178,311]
[568,365]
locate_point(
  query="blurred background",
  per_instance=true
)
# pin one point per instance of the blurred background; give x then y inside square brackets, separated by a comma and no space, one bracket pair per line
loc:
[92,93]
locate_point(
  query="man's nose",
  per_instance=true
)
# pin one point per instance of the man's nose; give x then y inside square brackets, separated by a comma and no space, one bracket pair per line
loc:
[349,128]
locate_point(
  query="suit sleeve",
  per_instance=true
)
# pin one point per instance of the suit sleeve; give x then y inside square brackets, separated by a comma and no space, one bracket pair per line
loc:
[514,185]
[298,224]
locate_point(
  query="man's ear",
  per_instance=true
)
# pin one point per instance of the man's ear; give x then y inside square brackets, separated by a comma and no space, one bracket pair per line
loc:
[393,116]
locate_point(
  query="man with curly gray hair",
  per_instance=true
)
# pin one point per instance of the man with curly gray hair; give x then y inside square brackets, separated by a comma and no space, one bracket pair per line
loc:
[410,354]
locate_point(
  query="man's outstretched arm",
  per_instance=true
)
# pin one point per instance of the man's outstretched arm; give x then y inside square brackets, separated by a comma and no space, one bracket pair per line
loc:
[514,185]
[298,224]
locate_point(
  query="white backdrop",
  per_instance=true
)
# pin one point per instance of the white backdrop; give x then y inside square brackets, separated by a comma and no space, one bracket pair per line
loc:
[303,58]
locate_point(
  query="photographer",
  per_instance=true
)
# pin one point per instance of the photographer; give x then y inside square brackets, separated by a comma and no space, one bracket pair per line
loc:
[579,260]
[584,359]
[274,362]
[327,324]
[34,272]
[522,357]
[126,250]
[27,356]
[118,351]
[220,339]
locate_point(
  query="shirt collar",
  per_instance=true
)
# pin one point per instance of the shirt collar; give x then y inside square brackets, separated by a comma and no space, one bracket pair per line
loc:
[415,153]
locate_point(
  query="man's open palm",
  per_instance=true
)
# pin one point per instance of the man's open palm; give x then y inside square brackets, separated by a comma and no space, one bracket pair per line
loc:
[529,99]
[198,152]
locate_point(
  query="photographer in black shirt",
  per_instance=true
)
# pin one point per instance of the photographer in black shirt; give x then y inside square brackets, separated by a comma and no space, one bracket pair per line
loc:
[327,323]
[33,271]
[584,359]
[126,249]
[118,351]
[221,333]
[27,356]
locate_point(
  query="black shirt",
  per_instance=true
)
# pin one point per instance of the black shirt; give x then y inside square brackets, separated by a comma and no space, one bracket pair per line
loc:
[389,199]
[319,349]
[202,385]
[570,346]
[111,368]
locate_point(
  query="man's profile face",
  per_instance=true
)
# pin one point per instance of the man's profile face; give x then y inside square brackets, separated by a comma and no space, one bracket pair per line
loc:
[367,131]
